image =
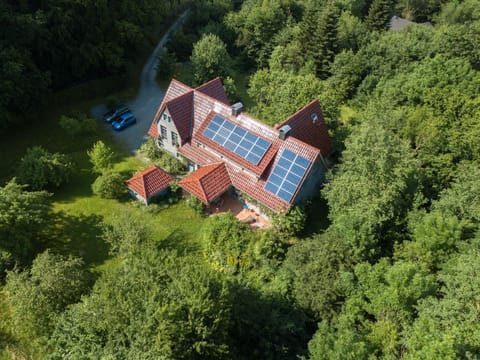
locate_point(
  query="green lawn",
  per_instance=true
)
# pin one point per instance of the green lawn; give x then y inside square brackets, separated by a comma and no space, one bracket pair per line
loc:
[78,211]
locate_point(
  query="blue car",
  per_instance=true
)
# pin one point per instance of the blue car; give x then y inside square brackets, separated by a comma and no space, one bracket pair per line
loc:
[124,121]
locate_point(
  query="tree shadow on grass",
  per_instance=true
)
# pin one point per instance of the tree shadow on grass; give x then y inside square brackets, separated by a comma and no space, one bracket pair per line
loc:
[80,236]
[177,239]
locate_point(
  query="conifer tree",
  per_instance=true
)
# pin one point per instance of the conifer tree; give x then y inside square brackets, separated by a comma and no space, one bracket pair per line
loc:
[318,34]
[378,15]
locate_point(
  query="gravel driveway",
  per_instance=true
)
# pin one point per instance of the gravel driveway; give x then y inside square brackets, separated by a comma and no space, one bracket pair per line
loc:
[148,100]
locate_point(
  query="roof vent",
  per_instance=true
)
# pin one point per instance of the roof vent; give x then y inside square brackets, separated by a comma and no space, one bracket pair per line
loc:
[237,108]
[283,132]
[314,118]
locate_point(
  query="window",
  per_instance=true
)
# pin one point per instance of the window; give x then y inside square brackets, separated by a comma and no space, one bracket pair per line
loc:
[174,139]
[163,131]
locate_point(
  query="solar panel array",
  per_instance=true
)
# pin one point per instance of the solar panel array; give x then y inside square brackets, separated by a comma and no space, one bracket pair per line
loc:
[287,174]
[240,141]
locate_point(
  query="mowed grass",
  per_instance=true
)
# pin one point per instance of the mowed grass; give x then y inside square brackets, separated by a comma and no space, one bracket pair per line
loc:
[78,212]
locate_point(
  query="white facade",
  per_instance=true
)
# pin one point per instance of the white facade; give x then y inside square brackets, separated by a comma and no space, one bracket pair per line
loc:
[168,134]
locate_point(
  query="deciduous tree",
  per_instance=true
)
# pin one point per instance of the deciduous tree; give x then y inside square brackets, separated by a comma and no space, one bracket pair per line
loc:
[40,168]
[209,58]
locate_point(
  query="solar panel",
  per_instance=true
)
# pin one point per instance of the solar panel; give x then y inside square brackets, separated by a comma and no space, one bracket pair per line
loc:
[240,141]
[287,174]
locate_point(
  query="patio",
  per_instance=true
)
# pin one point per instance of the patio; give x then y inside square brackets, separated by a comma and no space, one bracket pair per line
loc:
[236,207]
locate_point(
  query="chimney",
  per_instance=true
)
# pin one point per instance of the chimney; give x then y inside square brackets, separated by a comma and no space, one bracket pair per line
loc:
[283,132]
[237,108]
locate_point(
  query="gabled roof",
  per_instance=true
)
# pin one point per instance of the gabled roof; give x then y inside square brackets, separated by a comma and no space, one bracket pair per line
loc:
[180,110]
[149,181]
[256,169]
[214,88]
[175,89]
[204,98]
[248,183]
[307,138]
[208,182]
[304,128]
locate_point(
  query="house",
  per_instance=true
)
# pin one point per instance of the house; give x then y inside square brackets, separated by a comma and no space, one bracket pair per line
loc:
[149,183]
[229,150]
[397,23]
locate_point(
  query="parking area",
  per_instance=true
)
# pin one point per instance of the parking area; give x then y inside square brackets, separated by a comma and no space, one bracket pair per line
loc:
[148,100]
[144,108]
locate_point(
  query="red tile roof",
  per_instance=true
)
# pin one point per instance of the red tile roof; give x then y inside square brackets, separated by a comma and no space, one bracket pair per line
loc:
[246,182]
[310,132]
[306,138]
[214,88]
[199,155]
[208,182]
[150,181]
[181,111]
[256,169]
[175,89]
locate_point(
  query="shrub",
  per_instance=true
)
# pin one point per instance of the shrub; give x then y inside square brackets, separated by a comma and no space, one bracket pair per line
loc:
[111,102]
[166,63]
[75,124]
[109,185]
[101,157]
[230,88]
[290,223]
[39,168]
[226,242]
[150,150]
[196,204]
[161,157]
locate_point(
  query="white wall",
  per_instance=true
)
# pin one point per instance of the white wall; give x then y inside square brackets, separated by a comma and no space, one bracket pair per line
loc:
[166,121]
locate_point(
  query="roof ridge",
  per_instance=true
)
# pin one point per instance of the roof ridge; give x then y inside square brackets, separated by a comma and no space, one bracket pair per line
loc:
[208,82]
[178,97]
[195,91]
[276,126]
[181,83]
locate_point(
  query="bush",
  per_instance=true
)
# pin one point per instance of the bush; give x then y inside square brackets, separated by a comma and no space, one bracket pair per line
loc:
[150,150]
[226,242]
[101,157]
[39,168]
[111,102]
[230,88]
[75,124]
[166,64]
[196,204]
[161,157]
[290,223]
[109,185]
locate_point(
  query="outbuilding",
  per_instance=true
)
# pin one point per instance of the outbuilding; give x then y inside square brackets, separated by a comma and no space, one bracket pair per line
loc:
[149,183]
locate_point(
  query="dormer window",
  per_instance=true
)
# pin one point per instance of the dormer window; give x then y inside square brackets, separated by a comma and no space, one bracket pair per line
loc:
[314,118]
[166,117]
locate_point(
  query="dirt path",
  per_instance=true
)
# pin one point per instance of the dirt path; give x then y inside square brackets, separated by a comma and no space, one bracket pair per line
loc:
[148,99]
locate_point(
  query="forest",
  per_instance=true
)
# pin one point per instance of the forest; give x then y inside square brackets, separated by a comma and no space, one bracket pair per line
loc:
[383,264]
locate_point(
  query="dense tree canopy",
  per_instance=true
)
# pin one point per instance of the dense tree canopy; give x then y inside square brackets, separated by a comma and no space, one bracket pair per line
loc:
[54,43]
[23,223]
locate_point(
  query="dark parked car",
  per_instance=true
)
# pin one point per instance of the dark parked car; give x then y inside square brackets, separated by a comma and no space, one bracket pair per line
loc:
[113,114]
[124,121]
